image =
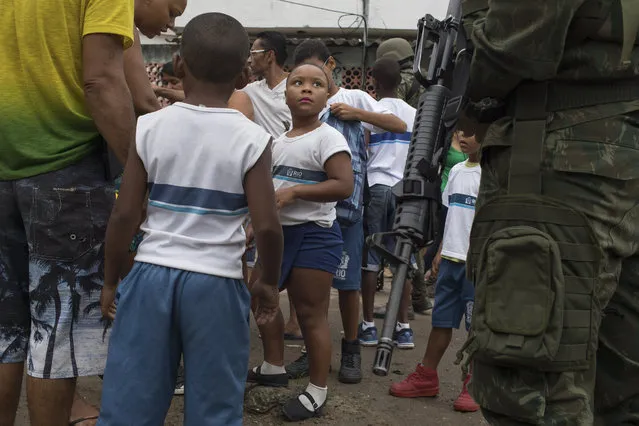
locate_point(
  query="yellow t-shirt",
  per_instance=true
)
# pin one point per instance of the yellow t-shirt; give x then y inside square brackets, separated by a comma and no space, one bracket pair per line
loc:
[44,123]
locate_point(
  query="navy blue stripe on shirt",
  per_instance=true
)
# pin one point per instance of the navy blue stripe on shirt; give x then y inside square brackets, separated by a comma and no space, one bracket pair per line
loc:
[389,137]
[462,200]
[196,200]
[295,174]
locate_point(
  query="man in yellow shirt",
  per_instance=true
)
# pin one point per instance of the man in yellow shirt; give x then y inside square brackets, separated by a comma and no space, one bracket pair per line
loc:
[66,99]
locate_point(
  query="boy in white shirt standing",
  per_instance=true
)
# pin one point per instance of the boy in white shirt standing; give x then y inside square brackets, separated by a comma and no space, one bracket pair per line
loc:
[454,294]
[387,152]
[185,292]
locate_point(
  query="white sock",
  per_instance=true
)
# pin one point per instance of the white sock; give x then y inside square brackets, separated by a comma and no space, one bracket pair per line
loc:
[269,369]
[367,325]
[318,394]
[401,326]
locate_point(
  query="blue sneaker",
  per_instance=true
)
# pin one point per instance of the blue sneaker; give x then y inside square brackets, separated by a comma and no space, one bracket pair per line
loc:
[403,338]
[367,337]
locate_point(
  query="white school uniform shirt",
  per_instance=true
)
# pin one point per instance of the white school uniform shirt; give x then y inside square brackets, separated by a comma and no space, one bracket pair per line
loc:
[196,159]
[269,106]
[300,160]
[357,99]
[387,151]
[460,196]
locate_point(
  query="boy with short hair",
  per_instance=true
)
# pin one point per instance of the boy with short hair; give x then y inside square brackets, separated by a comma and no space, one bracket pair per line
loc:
[454,293]
[386,163]
[185,291]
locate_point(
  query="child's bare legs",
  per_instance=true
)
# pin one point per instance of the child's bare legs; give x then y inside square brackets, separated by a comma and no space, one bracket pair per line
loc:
[349,309]
[292,326]
[404,304]
[273,340]
[369,286]
[271,372]
[438,342]
[310,291]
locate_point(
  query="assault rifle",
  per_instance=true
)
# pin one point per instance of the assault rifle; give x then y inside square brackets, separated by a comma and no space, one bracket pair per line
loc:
[444,74]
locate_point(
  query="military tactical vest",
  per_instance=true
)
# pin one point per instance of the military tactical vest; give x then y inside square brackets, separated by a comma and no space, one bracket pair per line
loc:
[534,260]
[535,263]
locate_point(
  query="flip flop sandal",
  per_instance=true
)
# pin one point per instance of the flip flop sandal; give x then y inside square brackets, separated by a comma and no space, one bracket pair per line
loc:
[295,411]
[82,419]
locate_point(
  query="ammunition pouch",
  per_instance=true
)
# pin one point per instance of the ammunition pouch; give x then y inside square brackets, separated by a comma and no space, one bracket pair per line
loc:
[535,263]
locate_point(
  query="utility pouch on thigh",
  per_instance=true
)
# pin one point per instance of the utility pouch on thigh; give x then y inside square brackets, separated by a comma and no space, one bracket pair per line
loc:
[535,262]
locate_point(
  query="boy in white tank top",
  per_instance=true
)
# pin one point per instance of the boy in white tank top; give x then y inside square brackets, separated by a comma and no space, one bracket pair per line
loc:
[185,290]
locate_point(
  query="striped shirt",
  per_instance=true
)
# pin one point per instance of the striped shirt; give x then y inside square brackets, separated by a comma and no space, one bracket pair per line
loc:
[196,159]
[300,160]
[388,151]
[460,196]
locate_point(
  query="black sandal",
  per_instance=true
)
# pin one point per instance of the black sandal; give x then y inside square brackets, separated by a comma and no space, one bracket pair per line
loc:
[82,419]
[273,380]
[295,411]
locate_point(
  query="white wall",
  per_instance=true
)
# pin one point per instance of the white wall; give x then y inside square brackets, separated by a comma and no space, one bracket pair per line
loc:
[383,14]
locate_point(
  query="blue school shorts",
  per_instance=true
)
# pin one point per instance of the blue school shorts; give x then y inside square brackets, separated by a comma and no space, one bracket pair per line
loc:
[454,296]
[310,246]
[162,314]
[349,272]
[380,215]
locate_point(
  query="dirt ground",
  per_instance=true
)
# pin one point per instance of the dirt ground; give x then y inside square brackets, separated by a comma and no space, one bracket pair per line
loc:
[366,403]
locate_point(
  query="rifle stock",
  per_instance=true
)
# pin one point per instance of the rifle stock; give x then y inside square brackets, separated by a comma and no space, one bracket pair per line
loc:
[418,195]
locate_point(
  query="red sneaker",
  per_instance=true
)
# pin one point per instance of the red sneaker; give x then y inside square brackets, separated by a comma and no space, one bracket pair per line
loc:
[464,402]
[421,382]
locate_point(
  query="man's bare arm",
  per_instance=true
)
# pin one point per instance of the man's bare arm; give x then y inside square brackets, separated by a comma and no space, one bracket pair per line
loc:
[173,95]
[242,102]
[106,93]
[144,99]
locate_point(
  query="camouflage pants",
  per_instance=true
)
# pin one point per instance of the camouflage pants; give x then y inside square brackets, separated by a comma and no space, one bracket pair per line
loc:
[607,192]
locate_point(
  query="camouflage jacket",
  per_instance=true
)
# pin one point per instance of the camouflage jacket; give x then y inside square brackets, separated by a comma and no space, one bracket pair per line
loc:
[530,40]
[520,41]
[407,90]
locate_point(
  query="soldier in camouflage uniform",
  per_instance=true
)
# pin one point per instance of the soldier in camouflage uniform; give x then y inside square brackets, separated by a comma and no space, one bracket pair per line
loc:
[399,49]
[583,160]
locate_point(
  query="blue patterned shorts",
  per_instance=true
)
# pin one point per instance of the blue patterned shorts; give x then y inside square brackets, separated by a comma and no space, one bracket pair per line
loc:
[52,229]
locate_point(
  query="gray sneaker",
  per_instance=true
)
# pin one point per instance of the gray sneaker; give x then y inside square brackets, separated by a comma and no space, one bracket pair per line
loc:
[350,370]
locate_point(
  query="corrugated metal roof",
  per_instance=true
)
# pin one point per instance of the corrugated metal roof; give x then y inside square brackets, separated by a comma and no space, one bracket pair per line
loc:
[329,41]
[337,41]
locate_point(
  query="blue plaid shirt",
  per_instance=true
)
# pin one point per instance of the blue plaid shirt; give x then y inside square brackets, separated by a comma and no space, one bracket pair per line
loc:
[351,210]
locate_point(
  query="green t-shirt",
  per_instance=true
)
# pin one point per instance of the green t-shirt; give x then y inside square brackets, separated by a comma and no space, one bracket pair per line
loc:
[45,125]
[452,158]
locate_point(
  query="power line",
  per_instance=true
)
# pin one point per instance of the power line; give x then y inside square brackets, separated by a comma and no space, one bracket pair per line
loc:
[343,13]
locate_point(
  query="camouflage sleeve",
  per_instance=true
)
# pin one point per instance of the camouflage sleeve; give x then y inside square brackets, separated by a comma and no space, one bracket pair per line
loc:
[518,40]
[402,90]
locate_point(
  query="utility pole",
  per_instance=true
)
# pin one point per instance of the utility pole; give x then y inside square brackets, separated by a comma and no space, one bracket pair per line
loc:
[365,13]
